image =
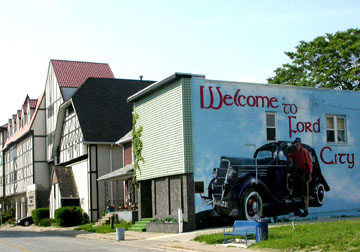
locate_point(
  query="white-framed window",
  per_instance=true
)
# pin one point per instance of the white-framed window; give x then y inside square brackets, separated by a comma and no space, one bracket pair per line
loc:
[335,129]
[270,126]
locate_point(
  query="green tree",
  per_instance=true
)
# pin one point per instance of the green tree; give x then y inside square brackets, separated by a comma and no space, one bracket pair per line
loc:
[330,61]
[137,147]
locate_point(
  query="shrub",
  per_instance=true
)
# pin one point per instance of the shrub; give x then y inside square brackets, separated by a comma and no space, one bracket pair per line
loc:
[10,221]
[39,214]
[166,220]
[5,218]
[85,218]
[11,212]
[69,216]
[46,222]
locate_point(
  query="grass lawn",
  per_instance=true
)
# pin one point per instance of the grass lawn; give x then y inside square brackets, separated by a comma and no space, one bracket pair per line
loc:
[103,229]
[321,236]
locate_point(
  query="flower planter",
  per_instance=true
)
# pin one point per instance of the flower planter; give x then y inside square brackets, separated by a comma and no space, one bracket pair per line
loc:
[162,227]
[110,210]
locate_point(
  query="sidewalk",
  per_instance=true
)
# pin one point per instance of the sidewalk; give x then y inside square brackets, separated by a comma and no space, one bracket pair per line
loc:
[149,240]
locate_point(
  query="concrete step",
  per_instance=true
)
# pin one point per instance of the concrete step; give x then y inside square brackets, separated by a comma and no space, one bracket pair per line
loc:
[137,229]
[104,220]
[140,226]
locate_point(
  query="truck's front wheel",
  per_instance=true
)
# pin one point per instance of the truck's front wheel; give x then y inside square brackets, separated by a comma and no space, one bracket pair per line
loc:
[251,205]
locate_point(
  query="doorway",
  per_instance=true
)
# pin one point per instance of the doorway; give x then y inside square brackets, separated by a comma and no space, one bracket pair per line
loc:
[146,199]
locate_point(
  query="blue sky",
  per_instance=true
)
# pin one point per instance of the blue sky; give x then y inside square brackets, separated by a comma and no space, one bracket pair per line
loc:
[227,40]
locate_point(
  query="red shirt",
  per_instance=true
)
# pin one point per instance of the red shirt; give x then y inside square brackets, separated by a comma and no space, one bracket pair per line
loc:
[302,160]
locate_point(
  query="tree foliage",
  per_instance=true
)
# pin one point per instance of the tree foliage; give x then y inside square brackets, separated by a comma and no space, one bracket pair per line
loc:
[330,61]
[137,148]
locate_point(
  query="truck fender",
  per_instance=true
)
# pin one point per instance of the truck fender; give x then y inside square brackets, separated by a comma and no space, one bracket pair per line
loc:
[260,186]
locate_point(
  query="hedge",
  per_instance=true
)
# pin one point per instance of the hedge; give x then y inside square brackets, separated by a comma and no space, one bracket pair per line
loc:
[69,216]
[5,218]
[40,213]
[46,222]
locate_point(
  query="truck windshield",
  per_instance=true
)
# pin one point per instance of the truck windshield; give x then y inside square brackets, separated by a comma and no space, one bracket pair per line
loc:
[264,154]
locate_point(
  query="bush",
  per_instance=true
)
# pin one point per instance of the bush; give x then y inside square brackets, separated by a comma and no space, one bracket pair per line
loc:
[69,216]
[11,212]
[85,218]
[39,214]
[5,218]
[10,222]
[46,222]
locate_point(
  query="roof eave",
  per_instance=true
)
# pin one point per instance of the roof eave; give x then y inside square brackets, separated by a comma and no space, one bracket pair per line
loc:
[94,142]
[159,84]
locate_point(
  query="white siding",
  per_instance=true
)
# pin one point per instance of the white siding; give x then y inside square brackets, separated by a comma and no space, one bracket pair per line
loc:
[82,183]
[53,101]
[161,116]
[71,142]
[55,199]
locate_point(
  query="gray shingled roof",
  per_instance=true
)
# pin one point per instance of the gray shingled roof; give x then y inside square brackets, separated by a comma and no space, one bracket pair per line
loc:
[101,106]
[66,181]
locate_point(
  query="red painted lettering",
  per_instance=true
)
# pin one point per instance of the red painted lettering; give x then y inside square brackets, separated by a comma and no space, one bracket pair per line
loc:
[272,101]
[237,100]
[322,155]
[308,127]
[227,97]
[351,160]
[291,131]
[242,104]
[253,101]
[316,126]
[338,158]
[295,127]
[300,127]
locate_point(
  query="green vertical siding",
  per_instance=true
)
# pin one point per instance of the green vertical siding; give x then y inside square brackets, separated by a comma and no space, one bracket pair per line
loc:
[161,116]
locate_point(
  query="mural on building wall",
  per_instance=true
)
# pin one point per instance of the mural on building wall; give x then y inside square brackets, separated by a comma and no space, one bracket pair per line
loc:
[244,143]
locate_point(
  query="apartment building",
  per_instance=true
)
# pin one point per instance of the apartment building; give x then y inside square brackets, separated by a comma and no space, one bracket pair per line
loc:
[84,148]
[25,172]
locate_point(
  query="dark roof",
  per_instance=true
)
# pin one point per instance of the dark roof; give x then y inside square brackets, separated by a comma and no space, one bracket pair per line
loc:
[74,73]
[66,181]
[103,112]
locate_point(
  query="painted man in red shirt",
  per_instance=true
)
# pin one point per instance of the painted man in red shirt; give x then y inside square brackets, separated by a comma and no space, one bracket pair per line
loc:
[302,165]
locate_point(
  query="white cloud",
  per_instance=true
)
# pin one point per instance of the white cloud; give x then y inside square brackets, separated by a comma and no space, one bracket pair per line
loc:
[344,186]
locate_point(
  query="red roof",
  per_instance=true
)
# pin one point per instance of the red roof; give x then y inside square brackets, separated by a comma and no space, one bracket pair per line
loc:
[33,103]
[25,103]
[74,73]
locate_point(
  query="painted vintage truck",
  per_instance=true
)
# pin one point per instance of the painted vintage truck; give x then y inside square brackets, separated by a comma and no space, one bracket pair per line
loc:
[261,186]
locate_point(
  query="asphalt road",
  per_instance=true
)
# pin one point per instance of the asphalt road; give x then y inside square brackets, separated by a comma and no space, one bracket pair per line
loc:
[27,241]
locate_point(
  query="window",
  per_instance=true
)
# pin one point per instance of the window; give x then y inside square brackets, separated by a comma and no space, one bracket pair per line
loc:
[270,126]
[264,154]
[335,129]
